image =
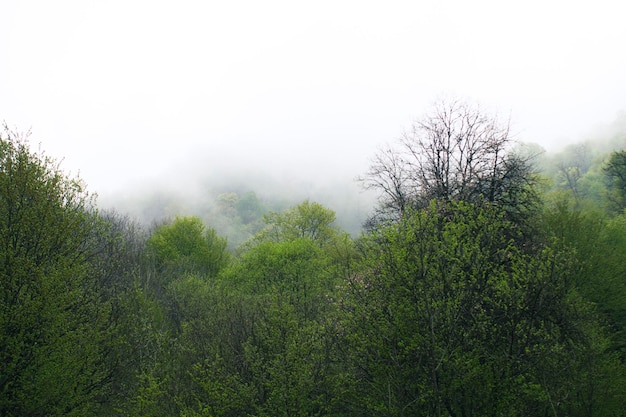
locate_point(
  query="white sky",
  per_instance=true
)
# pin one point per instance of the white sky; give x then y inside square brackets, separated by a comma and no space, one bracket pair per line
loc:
[132,90]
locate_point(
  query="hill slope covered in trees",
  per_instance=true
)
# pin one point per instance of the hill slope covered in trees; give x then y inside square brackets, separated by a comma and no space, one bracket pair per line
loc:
[486,282]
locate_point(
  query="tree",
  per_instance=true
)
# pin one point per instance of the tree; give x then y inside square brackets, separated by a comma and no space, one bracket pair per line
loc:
[449,317]
[184,252]
[211,373]
[116,261]
[572,166]
[600,243]
[267,336]
[53,322]
[249,208]
[237,216]
[456,152]
[305,221]
[615,171]
[289,288]
[186,245]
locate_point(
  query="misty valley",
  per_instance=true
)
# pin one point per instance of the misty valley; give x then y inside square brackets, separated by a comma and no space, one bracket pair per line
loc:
[463,274]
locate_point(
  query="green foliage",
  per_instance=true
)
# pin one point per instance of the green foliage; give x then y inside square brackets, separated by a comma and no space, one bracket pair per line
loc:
[306,220]
[615,171]
[237,216]
[460,308]
[589,172]
[252,342]
[52,324]
[186,245]
[202,374]
[449,317]
[601,244]
[277,301]
[249,208]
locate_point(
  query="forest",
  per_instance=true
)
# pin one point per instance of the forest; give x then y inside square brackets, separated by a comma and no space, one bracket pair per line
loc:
[488,280]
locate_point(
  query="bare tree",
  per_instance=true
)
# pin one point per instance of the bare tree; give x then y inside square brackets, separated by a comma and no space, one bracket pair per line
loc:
[389,175]
[456,152]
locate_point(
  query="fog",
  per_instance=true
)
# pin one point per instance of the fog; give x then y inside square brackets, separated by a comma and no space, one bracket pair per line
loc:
[280,97]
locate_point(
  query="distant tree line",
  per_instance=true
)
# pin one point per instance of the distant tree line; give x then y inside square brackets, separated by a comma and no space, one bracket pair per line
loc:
[483,284]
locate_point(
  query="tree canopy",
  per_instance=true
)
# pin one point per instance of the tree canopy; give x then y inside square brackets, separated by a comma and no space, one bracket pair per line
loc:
[473,292]
[615,170]
[450,317]
[52,323]
[187,245]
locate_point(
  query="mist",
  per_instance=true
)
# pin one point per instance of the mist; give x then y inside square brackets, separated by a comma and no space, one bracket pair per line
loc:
[195,187]
[151,100]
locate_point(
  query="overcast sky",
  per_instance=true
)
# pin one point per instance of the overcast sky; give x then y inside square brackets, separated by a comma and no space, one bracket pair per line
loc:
[132,90]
